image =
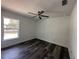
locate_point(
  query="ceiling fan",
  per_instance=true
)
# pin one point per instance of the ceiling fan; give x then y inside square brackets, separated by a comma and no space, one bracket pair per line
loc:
[39,14]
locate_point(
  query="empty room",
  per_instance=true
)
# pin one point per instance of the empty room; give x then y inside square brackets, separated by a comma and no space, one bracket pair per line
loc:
[38,29]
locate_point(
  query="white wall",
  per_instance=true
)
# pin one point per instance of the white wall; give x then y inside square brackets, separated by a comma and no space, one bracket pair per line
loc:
[73,34]
[54,29]
[27,27]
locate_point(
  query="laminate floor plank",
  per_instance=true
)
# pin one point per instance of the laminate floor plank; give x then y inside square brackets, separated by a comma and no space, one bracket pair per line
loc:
[35,49]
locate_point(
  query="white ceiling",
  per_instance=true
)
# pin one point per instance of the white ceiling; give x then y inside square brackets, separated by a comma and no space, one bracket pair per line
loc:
[52,7]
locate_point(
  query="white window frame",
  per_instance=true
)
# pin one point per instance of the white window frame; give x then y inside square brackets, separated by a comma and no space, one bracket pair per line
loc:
[17,32]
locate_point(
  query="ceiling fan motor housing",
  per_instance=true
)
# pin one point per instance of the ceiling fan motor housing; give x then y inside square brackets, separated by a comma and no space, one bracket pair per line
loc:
[64,2]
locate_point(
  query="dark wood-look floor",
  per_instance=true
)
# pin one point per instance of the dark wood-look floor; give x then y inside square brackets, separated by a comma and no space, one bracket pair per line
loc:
[35,49]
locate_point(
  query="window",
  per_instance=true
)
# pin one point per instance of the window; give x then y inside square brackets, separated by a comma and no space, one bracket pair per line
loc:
[11,28]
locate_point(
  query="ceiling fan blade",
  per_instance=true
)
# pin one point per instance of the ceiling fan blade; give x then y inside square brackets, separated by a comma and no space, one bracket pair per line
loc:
[44,16]
[32,13]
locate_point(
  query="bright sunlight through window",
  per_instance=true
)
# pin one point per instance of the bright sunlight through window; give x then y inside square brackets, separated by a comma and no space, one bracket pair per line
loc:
[11,28]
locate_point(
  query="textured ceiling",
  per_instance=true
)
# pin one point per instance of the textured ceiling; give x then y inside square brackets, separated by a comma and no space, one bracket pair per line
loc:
[52,7]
